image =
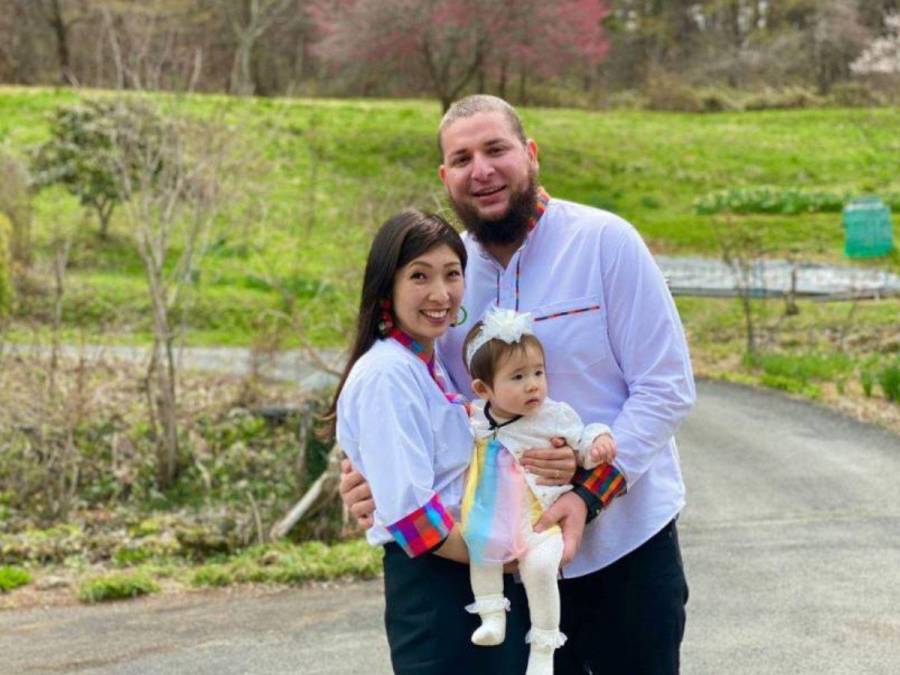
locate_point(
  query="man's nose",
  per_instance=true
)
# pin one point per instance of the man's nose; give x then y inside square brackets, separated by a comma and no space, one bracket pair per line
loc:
[482,168]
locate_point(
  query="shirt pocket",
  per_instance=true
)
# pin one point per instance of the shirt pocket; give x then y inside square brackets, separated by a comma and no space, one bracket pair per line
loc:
[573,333]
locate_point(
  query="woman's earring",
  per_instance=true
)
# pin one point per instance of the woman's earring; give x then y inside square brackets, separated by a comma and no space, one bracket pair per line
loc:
[460,322]
[387,321]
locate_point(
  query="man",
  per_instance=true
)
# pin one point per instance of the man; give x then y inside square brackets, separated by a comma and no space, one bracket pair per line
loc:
[615,351]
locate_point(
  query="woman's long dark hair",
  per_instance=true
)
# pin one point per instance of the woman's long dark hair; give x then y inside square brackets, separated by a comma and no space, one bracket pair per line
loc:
[400,240]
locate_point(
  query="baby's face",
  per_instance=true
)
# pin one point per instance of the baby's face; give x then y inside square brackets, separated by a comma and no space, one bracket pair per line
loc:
[520,383]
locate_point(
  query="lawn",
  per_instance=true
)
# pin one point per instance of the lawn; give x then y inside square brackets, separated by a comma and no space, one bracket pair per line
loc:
[321,174]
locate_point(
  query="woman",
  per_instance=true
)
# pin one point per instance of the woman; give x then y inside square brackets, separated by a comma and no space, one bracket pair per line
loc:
[409,436]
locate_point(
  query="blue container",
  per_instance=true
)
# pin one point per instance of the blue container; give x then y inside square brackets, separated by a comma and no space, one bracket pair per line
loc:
[867,228]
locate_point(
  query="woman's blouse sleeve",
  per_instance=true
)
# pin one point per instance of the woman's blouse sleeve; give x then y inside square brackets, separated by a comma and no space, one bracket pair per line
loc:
[393,446]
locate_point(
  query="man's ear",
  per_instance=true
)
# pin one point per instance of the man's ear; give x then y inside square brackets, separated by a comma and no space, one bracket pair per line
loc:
[532,149]
[442,174]
[481,389]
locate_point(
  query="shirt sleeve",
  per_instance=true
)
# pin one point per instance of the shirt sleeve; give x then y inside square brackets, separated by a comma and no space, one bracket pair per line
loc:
[648,343]
[580,437]
[395,447]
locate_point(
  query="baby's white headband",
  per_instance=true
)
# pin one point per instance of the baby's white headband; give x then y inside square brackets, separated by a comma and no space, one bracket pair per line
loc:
[503,324]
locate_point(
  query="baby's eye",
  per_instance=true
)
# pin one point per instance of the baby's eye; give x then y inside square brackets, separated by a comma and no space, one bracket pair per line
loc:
[518,377]
[539,373]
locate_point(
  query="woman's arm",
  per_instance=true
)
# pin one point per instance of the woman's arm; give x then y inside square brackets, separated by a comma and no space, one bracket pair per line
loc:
[454,547]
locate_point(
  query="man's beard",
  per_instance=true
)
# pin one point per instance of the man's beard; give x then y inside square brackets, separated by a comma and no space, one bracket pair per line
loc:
[511,227]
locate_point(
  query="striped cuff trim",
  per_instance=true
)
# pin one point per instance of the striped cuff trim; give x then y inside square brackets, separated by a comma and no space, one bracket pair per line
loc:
[605,482]
[424,529]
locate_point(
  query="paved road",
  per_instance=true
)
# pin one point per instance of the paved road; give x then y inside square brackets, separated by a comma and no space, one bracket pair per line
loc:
[791,540]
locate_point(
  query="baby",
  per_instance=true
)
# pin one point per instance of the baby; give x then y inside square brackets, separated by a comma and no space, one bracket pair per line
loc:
[502,501]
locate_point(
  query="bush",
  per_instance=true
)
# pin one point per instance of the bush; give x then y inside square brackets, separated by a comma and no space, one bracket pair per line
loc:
[5,264]
[855,95]
[15,205]
[665,92]
[116,587]
[889,379]
[867,380]
[97,151]
[13,577]
[774,99]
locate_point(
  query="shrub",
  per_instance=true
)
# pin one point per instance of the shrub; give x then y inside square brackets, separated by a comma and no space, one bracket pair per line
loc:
[791,385]
[116,587]
[889,379]
[13,577]
[98,150]
[867,379]
[5,264]
[15,205]
[665,91]
[855,95]
[773,99]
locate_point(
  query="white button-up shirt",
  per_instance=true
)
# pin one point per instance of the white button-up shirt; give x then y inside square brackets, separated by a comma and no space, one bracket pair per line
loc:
[624,361]
[401,433]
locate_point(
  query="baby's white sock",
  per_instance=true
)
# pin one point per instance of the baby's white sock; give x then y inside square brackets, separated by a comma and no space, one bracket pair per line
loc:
[543,644]
[492,610]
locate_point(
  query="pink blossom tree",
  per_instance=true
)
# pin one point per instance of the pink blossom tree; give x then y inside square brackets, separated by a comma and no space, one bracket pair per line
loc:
[445,44]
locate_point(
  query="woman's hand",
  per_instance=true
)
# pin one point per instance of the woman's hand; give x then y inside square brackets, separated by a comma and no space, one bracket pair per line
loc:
[356,495]
[552,466]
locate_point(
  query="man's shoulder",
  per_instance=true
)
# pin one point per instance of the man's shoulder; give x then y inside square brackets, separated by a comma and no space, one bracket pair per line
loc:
[587,221]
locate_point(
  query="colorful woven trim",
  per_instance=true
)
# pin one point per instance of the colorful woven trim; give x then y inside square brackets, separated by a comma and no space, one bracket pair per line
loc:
[419,350]
[543,198]
[605,482]
[568,313]
[424,529]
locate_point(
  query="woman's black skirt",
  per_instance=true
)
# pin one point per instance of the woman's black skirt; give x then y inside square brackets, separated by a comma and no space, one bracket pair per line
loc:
[428,628]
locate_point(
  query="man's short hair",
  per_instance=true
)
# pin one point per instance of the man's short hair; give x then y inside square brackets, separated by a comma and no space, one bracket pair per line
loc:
[479,103]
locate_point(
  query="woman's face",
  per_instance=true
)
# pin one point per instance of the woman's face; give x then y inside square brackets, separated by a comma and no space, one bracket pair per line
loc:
[427,294]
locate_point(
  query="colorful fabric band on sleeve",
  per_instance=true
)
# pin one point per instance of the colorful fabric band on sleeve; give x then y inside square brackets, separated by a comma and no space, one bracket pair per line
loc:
[424,529]
[605,482]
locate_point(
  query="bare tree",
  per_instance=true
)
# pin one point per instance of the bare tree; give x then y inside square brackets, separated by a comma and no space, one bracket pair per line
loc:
[175,193]
[743,247]
[61,16]
[248,20]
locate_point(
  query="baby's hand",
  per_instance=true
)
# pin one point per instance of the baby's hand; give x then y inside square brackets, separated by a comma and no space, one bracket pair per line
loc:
[603,450]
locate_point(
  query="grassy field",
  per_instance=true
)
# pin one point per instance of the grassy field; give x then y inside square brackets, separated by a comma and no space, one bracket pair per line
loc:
[322,174]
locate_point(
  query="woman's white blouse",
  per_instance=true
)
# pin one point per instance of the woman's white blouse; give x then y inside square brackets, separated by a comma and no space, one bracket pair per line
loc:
[412,445]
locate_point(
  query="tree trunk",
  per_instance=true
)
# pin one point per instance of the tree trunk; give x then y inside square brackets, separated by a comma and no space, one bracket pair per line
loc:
[63,54]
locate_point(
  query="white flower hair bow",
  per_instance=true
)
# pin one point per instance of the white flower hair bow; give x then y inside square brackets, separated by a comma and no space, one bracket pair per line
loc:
[501,324]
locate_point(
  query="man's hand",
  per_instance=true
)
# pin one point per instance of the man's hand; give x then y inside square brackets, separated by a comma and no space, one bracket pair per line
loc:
[552,466]
[356,495]
[569,511]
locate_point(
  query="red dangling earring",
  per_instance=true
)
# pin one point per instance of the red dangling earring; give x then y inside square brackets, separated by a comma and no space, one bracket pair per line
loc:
[387,320]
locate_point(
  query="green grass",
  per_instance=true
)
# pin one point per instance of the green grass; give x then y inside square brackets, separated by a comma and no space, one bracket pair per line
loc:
[116,586]
[12,578]
[288,244]
[292,564]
